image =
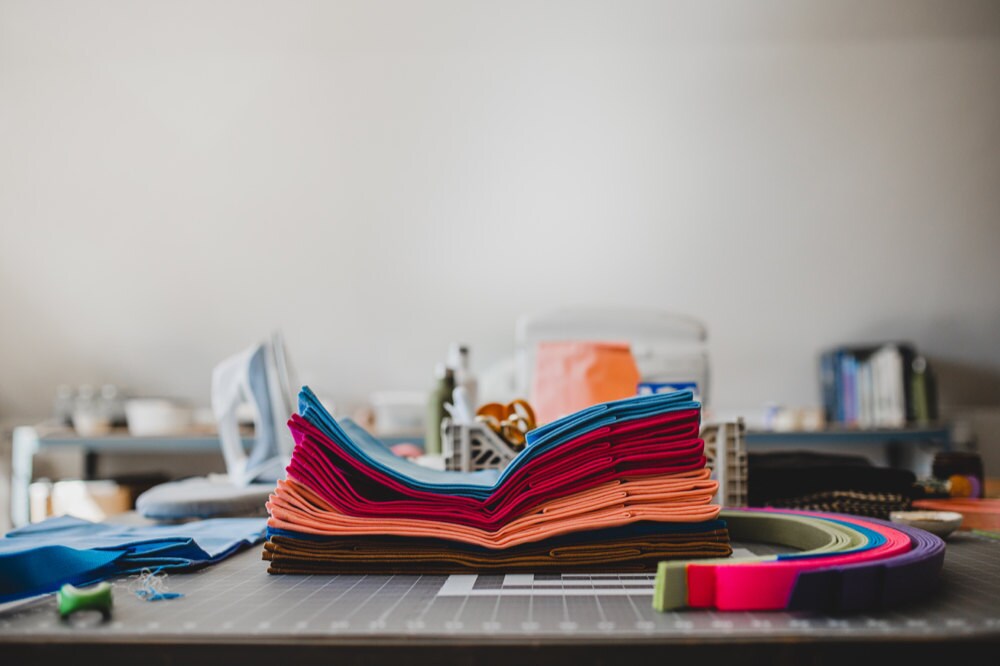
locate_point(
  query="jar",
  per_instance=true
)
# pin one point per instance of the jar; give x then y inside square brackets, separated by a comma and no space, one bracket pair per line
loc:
[963,470]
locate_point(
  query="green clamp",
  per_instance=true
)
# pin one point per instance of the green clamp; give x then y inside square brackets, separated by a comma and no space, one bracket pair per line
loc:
[73,599]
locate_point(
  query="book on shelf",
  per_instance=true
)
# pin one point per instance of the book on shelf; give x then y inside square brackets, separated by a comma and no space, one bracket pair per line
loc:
[886,385]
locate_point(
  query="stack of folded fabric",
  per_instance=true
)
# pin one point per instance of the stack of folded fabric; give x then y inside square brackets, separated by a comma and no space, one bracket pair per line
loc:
[618,486]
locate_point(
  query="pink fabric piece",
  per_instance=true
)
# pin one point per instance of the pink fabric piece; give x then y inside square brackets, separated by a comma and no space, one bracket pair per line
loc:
[659,445]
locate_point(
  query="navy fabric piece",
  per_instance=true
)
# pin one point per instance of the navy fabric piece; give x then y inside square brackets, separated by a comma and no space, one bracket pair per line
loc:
[873,585]
[40,558]
[357,442]
[591,536]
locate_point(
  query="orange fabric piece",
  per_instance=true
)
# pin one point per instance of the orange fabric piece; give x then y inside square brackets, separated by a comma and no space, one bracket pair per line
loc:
[684,497]
[977,514]
[571,376]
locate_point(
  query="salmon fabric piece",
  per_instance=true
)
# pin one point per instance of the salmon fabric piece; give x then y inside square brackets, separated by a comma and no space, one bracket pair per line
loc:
[572,375]
[683,497]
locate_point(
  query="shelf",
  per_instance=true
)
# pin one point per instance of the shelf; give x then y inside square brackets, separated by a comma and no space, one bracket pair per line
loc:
[31,440]
[939,434]
[47,436]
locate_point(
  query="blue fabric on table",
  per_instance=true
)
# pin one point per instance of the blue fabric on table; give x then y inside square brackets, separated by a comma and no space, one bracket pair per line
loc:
[40,558]
[357,442]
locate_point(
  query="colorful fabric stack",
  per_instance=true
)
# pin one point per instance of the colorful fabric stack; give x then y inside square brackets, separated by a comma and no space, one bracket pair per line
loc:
[618,486]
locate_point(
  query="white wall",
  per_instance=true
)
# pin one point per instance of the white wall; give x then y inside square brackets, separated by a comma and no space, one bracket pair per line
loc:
[379,178]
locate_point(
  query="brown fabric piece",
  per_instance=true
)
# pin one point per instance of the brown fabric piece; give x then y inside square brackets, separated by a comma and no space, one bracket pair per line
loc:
[419,556]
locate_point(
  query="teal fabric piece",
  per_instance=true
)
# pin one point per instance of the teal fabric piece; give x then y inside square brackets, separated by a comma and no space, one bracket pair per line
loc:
[874,540]
[357,442]
[40,558]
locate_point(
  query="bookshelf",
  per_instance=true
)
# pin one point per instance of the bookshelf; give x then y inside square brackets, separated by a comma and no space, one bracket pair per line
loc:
[936,434]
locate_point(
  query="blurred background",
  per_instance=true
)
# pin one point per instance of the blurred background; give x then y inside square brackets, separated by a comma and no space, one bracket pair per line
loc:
[380,179]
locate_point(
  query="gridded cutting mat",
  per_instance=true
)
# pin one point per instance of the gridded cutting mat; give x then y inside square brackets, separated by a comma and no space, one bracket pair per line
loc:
[237,598]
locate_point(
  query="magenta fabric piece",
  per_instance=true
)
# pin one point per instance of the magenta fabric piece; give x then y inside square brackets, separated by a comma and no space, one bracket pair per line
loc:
[657,445]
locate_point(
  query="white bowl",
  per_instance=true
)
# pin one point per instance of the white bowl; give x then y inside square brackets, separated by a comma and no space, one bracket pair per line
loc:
[157,416]
[941,523]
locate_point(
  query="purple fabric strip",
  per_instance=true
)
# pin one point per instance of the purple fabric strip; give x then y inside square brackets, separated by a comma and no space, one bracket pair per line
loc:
[873,585]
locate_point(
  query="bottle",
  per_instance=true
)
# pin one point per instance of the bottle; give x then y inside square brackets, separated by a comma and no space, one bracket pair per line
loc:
[113,405]
[62,409]
[441,394]
[458,360]
[89,420]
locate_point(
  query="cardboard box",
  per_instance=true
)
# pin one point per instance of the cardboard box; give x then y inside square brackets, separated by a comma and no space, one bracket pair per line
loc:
[91,500]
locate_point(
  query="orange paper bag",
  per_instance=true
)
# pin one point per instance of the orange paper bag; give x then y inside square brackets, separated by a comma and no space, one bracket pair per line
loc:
[570,376]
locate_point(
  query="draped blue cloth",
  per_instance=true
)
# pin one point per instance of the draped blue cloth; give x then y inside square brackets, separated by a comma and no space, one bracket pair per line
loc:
[40,558]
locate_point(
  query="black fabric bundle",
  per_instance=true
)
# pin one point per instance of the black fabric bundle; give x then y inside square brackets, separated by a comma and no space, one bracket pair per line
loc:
[827,482]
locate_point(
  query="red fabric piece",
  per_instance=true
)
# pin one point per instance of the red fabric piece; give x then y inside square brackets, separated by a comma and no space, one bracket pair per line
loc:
[653,446]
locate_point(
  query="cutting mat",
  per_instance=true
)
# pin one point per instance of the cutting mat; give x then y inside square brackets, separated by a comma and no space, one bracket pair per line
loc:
[237,598]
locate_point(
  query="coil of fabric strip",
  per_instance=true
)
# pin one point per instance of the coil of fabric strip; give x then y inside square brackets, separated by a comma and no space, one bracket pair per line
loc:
[855,578]
[678,587]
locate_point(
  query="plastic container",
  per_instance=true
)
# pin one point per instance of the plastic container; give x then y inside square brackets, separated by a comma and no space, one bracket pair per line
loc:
[442,393]
[89,418]
[963,470]
[399,413]
[458,361]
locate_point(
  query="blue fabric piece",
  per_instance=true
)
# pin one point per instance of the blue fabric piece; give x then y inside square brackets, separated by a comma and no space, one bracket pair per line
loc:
[642,528]
[40,558]
[353,439]
[874,540]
